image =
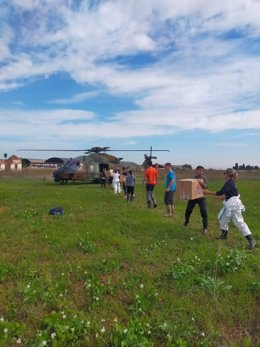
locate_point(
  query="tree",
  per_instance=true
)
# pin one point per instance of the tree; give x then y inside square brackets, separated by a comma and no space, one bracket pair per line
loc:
[5,155]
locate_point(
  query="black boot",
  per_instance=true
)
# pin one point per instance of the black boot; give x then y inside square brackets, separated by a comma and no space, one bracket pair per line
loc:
[223,235]
[251,241]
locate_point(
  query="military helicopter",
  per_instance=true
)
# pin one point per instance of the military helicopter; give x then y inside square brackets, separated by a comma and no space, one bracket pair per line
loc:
[87,168]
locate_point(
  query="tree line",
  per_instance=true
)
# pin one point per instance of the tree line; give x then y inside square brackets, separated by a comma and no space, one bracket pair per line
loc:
[245,167]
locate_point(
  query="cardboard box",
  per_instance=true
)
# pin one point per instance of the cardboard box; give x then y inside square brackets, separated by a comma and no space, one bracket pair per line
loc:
[189,189]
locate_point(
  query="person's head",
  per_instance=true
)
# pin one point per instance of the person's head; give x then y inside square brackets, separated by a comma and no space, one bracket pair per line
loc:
[200,170]
[130,172]
[150,163]
[168,166]
[230,174]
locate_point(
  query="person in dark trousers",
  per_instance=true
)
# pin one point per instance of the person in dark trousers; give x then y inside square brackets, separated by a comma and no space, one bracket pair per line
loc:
[151,178]
[130,185]
[170,187]
[232,209]
[103,178]
[200,201]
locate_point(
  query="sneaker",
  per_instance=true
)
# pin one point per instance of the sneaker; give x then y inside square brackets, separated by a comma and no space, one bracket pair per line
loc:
[204,231]
[185,224]
[155,205]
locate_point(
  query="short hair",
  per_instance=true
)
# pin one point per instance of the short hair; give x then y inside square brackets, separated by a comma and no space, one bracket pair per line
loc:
[200,167]
[168,164]
[150,163]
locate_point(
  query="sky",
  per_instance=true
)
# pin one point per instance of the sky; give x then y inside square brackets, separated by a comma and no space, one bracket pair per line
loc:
[130,74]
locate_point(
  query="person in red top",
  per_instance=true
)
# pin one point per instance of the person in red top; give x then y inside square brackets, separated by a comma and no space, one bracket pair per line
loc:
[151,178]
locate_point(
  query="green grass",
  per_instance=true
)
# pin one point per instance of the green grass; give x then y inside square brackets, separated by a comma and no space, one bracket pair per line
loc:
[112,273]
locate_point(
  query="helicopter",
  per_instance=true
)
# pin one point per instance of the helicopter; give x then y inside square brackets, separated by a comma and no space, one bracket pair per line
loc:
[87,168]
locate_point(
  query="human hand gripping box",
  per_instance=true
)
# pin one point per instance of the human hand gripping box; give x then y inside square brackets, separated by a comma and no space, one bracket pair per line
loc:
[189,189]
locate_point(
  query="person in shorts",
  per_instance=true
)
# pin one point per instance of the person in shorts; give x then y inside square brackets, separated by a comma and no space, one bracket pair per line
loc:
[170,187]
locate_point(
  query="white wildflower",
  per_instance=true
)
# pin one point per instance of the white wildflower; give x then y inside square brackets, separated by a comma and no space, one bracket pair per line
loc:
[53,335]
[19,341]
[103,330]
[141,286]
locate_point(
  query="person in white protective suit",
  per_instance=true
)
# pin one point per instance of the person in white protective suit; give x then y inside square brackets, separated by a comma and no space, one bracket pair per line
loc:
[116,181]
[232,209]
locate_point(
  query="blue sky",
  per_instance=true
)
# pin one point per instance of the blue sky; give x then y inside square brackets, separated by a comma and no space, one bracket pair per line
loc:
[177,75]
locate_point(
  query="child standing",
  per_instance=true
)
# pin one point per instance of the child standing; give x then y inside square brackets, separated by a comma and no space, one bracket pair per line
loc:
[232,209]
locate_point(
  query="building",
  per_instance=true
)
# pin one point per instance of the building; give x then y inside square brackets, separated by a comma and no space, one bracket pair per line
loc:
[13,163]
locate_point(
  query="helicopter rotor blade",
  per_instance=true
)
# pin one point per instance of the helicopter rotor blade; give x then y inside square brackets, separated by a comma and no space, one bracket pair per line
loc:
[51,150]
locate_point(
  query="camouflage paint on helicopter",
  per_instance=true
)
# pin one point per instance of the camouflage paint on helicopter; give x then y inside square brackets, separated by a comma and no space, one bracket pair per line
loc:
[88,168]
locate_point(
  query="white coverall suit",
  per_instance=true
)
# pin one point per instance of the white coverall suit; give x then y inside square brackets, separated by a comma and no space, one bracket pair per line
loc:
[232,210]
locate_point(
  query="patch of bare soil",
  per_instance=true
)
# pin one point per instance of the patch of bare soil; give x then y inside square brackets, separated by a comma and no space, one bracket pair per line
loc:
[4,209]
[78,293]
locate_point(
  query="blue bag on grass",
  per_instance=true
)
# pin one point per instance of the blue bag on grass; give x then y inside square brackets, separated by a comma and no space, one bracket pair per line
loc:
[56,211]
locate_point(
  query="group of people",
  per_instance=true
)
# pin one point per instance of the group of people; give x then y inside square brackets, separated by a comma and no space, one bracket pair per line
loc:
[120,181]
[231,211]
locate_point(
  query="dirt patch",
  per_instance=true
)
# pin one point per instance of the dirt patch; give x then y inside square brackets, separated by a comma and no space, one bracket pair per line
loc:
[4,209]
[78,293]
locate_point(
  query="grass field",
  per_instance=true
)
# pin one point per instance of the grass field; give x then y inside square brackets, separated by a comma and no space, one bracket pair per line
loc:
[112,273]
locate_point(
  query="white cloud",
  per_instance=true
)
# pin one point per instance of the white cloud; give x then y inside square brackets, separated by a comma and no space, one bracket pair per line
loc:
[198,79]
[77,98]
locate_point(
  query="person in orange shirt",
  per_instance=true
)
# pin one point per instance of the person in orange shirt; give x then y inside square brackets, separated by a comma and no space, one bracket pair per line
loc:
[151,178]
